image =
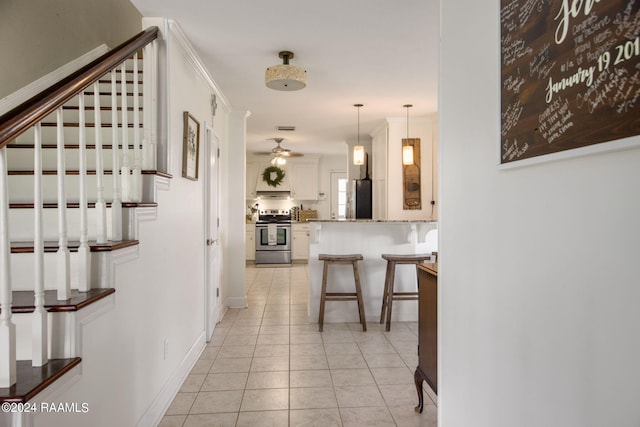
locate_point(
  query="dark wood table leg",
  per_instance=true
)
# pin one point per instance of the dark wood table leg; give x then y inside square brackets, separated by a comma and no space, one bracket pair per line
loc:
[419,379]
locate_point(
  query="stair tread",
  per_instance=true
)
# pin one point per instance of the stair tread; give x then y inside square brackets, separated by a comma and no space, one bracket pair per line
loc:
[90,172]
[75,205]
[77,172]
[102,108]
[87,125]
[32,380]
[66,146]
[51,246]
[103,93]
[24,301]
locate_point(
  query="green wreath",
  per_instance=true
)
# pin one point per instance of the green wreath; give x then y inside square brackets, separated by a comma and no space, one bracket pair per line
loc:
[266,176]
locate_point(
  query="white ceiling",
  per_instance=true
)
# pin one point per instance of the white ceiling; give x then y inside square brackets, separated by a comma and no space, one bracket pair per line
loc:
[379,53]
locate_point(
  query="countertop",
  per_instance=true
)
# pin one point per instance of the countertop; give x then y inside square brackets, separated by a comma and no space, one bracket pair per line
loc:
[373,220]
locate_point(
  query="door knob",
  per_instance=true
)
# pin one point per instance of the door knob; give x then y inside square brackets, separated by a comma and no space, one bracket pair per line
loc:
[211,242]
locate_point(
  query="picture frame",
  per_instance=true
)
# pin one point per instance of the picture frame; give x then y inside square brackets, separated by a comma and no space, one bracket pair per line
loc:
[569,79]
[190,147]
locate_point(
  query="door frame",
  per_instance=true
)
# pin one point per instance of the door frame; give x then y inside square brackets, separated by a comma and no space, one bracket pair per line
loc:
[333,194]
[211,230]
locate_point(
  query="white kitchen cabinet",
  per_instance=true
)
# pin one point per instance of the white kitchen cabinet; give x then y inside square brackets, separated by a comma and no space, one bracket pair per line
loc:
[252,180]
[300,243]
[250,243]
[304,180]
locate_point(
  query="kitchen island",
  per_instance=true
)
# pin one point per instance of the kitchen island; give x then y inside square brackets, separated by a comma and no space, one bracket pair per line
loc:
[371,239]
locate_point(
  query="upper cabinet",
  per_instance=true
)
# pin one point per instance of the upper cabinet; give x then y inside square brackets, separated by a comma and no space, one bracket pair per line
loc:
[252,180]
[304,180]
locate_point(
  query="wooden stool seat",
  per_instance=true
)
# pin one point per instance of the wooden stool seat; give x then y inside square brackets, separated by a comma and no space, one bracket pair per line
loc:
[341,296]
[389,294]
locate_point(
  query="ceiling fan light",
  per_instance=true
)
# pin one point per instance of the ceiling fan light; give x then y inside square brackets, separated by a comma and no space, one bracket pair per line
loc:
[281,161]
[358,155]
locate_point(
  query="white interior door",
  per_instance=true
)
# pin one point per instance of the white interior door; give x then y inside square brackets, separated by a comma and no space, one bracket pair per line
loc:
[338,195]
[212,215]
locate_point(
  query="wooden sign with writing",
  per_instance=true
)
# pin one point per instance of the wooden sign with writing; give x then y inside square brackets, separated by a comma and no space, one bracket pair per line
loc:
[570,74]
[411,188]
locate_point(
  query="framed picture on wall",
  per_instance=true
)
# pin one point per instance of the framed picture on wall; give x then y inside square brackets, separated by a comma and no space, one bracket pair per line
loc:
[190,147]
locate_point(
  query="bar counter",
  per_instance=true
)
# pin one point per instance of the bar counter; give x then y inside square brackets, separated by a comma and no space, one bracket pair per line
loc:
[371,239]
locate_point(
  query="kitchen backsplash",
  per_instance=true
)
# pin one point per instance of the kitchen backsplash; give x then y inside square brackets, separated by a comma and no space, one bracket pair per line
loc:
[279,204]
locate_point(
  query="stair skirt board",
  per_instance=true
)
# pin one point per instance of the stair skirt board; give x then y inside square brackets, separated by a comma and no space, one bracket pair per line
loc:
[32,381]
[101,270]
[65,327]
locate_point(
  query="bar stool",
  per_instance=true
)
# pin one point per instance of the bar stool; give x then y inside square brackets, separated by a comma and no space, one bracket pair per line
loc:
[341,296]
[389,294]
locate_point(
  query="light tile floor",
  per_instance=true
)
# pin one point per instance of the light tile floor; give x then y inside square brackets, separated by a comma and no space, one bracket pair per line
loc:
[267,365]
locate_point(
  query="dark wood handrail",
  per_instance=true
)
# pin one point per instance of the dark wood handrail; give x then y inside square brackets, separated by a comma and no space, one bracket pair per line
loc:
[27,114]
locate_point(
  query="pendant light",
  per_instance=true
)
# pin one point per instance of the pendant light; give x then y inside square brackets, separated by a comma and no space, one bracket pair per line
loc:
[407,149]
[358,150]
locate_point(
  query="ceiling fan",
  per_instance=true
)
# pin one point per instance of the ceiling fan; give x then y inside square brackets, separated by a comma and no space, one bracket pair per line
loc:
[279,153]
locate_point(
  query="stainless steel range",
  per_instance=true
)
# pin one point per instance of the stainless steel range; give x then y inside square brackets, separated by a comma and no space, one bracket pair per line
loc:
[273,237]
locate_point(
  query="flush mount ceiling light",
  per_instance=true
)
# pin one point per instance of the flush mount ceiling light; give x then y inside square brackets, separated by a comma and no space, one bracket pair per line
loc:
[285,77]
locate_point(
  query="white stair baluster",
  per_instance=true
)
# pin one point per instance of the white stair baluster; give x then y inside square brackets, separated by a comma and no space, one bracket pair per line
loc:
[116,204]
[136,179]
[124,169]
[7,327]
[152,75]
[39,328]
[84,262]
[101,207]
[64,286]
[146,110]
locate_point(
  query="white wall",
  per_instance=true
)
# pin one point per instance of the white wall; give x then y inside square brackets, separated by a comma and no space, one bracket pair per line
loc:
[388,184]
[539,318]
[126,379]
[54,33]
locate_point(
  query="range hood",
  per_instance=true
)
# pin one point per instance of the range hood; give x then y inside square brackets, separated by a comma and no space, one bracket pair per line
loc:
[273,194]
[281,191]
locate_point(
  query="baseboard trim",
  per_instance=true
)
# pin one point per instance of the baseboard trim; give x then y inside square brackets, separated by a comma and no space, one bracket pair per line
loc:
[237,302]
[154,413]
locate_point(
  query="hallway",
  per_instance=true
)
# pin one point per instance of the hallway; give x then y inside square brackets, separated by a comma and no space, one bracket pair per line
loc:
[268,366]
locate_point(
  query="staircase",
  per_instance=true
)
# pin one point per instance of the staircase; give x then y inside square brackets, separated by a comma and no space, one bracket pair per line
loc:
[77,162]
